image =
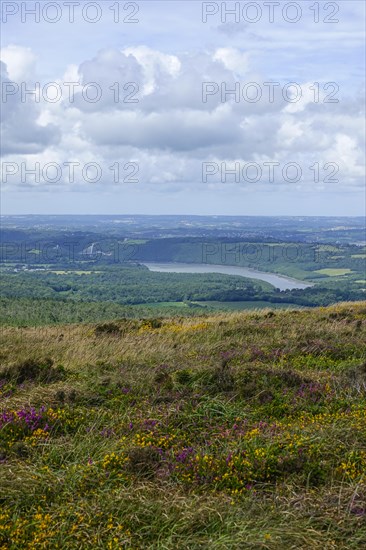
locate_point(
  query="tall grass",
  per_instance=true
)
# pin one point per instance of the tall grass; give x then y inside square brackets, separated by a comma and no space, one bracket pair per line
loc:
[238,430]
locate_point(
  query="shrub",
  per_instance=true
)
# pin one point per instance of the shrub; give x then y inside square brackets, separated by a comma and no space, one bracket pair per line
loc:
[223,380]
[143,461]
[183,377]
[107,329]
[32,370]
[151,323]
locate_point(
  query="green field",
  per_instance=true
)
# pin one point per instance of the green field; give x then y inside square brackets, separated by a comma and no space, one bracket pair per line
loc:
[333,272]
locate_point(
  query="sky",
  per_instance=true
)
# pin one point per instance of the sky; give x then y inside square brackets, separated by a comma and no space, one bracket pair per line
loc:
[183,107]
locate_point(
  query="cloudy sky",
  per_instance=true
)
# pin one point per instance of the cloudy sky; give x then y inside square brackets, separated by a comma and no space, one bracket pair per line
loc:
[180,107]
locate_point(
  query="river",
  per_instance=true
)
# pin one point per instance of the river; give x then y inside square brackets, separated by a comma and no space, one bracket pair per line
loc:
[278,281]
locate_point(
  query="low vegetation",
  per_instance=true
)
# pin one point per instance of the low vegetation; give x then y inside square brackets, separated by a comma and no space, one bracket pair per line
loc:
[235,430]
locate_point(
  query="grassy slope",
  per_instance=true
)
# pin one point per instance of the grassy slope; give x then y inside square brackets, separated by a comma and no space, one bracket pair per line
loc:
[239,430]
[30,312]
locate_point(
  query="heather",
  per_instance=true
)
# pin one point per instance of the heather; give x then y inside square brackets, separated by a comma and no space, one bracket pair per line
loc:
[241,430]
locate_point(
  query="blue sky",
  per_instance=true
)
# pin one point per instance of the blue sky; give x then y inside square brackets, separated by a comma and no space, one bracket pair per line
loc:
[169,134]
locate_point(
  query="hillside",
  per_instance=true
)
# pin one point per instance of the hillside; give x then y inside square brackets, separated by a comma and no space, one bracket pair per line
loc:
[237,430]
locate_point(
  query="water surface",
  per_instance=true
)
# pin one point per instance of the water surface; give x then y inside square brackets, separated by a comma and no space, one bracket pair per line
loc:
[278,281]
